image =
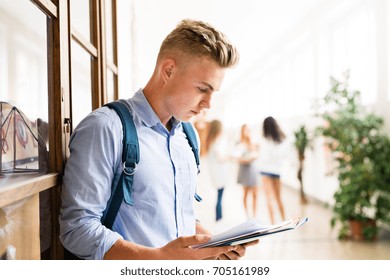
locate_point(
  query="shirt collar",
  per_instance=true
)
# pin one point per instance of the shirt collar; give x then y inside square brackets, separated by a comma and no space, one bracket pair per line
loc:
[146,113]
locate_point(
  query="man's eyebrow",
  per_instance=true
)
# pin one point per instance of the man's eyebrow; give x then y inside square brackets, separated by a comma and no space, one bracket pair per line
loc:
[208,85]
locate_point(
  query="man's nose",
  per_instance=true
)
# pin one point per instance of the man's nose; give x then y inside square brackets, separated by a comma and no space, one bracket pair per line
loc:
[206,102]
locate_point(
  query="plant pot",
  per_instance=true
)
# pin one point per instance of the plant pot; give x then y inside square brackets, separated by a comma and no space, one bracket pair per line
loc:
[363,230]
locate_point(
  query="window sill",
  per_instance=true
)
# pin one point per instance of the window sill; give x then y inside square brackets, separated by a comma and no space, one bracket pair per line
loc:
[16,187]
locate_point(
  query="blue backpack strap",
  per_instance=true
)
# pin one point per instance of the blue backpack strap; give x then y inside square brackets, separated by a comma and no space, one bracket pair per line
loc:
[191,136]
[123,186]
[192,139]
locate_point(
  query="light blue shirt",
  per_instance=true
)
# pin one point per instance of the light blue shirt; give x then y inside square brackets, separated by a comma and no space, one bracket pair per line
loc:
[163,189]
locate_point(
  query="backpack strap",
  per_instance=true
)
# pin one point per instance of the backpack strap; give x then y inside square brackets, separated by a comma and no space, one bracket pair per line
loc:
[123,186]
[191,136]
[192,139]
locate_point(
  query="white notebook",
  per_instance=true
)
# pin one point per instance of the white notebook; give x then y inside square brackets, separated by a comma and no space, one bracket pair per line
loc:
[249,231]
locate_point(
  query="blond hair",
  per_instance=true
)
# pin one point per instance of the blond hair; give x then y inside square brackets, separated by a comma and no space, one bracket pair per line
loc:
[215,129]
[200,39]
[245,135]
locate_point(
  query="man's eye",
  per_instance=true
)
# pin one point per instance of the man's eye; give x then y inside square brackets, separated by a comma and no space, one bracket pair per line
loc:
[204,90]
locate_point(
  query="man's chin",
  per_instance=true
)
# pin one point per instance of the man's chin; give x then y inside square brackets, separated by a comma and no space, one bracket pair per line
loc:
[188,119]
[185,118]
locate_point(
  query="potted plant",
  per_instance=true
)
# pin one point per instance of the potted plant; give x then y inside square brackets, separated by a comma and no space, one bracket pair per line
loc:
[301,142]
[362,153]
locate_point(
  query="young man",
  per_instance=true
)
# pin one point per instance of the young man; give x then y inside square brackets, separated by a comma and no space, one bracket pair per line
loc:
[161,224]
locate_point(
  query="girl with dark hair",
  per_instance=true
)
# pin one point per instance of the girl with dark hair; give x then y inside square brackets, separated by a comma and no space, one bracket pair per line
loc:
[272,152]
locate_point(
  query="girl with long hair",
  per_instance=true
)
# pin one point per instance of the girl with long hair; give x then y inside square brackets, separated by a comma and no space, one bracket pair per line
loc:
[217,160]
[270,160]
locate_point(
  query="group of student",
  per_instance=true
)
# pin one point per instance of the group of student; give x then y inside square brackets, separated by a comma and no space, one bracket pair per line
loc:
[255,160]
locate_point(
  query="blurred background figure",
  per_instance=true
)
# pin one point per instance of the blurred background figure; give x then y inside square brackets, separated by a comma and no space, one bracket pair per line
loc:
[202,126]
[247,172]
[217,158]
[271,156]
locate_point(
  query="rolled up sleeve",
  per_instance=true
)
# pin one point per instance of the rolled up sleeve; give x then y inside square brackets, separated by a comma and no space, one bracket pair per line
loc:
[95,147]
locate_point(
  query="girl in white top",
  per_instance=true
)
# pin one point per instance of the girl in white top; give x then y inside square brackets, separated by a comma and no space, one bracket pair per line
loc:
[218,162]
[272,152]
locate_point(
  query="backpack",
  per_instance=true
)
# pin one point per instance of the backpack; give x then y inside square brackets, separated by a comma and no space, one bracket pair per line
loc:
[123,186]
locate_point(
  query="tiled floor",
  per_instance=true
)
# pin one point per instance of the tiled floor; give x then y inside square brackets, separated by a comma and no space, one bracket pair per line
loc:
[315,240]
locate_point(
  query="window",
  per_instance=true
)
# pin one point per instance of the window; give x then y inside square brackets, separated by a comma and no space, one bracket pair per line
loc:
[94,67]
[24,90]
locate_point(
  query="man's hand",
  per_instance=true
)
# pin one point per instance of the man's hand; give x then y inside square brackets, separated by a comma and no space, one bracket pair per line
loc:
[180,249]
[238,253]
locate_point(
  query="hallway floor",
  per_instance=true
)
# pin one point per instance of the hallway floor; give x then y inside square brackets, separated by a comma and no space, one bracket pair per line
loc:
[315,240]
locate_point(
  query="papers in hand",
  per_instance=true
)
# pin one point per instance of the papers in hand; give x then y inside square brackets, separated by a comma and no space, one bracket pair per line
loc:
[249,231]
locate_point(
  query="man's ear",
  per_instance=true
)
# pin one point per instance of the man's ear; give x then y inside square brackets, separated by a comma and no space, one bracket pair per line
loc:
[168,67]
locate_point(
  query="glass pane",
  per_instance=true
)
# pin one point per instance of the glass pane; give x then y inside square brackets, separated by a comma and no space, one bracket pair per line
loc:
[23,90]
[81,84]
[80,17]
[109,31]
[24,147]
[110,86]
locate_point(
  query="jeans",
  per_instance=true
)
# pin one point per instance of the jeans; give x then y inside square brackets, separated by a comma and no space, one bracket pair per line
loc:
[219,204]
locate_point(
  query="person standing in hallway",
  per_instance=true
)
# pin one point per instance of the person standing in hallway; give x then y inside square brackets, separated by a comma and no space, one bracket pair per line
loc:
[217,159]
[247,173]
[161,223]
[271,156]
[201,125]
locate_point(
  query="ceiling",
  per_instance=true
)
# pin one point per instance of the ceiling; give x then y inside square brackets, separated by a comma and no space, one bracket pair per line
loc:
[252,25]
